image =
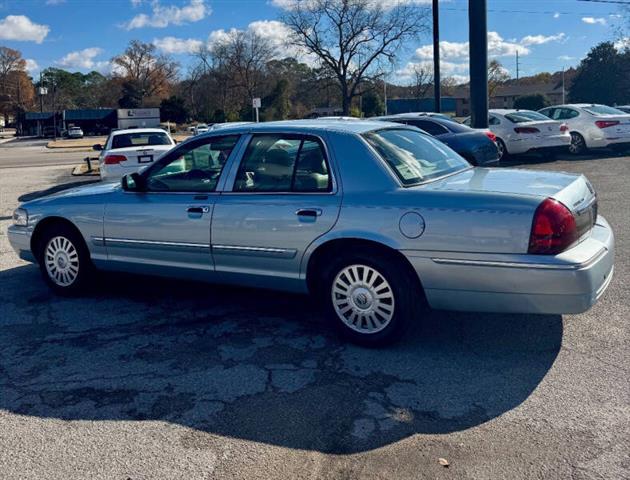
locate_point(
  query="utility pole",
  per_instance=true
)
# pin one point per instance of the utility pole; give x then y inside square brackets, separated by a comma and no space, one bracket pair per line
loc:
[385,92]
[517,67]
[563,89]
[436,58]
[478,28]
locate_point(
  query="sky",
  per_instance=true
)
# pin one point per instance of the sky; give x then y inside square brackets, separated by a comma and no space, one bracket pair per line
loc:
[83,35]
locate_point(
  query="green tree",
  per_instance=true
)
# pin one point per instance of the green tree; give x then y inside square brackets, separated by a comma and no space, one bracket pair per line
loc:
[132,95]
[174,109]
[535,101]
[603,76]
[278,101]
[372,104]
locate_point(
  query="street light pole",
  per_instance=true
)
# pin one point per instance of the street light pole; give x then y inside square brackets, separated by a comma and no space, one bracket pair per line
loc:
[478,27]
[436,58]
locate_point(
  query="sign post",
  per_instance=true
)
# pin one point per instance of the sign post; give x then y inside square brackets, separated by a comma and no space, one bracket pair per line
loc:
[256,103]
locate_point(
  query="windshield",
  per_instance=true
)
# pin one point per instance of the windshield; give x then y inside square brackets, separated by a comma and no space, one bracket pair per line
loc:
[603,110]
[413,156]
[140,139]
[525,116]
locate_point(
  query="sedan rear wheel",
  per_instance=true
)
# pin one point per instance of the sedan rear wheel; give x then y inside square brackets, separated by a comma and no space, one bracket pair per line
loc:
[371,298]
[578,145]
[503,153]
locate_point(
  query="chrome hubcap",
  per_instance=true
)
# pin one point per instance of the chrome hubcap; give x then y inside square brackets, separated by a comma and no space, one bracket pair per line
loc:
[500,148]
[576,144]
[62,261]
[363,299]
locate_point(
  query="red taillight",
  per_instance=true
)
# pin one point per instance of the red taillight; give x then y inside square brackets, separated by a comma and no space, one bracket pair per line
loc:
[564,128]
[491,135]
[553,229]
[606,123]
[526,130]
[114,159]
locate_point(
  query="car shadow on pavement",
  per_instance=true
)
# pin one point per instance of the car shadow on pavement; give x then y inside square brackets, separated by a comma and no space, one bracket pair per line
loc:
[256,365]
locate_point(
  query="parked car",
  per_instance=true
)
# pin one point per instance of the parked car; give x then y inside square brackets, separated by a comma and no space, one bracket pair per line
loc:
[525,131]
[479,148]
[217,126]
[201,128]
[48,132]
[373,218]
[129,150]
[593,126]
[74,132]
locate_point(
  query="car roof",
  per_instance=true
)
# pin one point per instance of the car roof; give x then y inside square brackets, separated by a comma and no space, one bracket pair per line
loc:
[505,111]
[139,130]
[341,126]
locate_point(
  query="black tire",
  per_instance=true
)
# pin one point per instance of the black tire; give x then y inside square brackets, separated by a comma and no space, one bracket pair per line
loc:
[54,236]
[405,289]
[503,151]
[578,144]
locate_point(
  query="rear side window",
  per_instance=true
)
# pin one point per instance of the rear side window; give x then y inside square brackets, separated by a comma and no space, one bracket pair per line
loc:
[431,128]
[525,116]
[283,163]
[140,139]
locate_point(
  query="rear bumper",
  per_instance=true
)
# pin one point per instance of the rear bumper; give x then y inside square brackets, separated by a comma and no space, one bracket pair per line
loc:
[571,282]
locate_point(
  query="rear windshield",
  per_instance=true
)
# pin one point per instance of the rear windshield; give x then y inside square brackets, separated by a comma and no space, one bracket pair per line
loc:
[140,139]
[413,156]
[603,110]
[526,116]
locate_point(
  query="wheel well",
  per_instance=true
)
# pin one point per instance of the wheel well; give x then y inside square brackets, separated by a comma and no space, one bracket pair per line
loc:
[44,225]
[320,258]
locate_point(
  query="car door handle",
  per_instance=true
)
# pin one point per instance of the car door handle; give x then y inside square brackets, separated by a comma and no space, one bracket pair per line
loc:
[199,210]
[308,212]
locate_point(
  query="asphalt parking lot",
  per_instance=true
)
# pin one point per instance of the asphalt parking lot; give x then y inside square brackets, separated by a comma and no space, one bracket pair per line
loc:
[149,378]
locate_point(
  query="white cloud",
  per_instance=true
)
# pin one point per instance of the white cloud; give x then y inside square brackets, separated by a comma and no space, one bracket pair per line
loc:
[85,60]
[594,21]
[163,16]
[55,2]
[21,28]
[174,45]
[556,15]
[566,58]
[623,44]
[541,39]
[31,66]
[275,32]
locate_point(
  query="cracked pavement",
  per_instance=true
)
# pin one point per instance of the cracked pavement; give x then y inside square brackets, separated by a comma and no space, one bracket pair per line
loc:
[154,378]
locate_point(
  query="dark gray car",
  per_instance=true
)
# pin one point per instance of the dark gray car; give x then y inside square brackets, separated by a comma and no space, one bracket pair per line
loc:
[476,146]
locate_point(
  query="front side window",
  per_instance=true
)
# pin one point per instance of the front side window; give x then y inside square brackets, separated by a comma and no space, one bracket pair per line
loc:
[140,139]
[283,163]
[192,168]
[414,157]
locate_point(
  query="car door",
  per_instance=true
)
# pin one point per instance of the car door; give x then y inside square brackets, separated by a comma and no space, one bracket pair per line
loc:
[281,197]
[167,223]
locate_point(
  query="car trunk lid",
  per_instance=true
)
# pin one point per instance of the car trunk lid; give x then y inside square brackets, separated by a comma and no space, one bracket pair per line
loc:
[574,191]
[138,156]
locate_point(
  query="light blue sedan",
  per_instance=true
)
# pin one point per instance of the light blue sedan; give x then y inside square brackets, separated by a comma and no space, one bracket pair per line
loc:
[376,219]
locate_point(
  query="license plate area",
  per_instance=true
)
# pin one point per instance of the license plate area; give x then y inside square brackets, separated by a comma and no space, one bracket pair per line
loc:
[145,158]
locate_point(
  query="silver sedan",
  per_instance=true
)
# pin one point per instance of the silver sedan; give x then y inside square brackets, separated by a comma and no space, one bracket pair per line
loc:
[376,219]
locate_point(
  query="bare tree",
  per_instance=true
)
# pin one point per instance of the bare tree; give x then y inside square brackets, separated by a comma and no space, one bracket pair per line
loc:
[422,78]
[497,76]
[350,37]
[153,73]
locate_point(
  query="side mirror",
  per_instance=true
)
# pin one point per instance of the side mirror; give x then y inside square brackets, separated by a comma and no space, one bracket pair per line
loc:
[132,182]
[98,147]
